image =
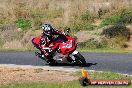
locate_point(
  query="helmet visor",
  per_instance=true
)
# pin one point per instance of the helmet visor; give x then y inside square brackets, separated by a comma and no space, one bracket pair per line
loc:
[46,28]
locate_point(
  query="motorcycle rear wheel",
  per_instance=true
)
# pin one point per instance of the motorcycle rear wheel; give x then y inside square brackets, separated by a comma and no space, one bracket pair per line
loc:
[52,62]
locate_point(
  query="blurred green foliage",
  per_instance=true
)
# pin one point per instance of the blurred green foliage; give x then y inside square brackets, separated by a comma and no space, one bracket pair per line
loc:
[115,31]
[122,16]
[23,23]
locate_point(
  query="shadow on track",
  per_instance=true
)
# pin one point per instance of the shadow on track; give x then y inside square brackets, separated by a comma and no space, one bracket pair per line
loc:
[90,64]
[66,64]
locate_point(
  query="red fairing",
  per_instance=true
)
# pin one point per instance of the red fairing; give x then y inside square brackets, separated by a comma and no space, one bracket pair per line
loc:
[67,47]
[36,40]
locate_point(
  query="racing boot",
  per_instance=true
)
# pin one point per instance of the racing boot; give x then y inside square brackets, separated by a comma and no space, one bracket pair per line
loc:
[51,61]
[40,55]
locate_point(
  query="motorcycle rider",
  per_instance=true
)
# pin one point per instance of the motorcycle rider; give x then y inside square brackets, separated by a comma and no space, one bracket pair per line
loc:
[46,38]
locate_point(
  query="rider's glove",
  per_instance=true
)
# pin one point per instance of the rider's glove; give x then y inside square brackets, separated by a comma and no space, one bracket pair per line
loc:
[42,41]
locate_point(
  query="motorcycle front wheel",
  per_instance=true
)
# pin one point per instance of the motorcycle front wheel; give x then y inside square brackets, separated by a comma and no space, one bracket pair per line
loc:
[80,59]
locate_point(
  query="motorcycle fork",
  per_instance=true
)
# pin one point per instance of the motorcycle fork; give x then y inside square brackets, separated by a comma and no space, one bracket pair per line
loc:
[73,58]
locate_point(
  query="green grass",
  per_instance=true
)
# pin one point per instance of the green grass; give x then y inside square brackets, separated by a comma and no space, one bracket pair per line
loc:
[105,50]
[105,75]
[75,83]
[23,23]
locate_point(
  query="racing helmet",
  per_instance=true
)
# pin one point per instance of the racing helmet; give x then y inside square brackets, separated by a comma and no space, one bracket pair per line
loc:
[47,29]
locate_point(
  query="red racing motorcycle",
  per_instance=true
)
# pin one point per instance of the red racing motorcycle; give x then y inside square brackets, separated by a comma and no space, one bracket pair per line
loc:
[65,52]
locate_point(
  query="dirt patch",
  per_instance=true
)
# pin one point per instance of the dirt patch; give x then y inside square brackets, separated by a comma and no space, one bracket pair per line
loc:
[83,36]
[9,75]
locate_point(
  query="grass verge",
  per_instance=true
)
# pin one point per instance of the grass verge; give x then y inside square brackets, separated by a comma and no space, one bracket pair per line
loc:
[105,50]
[75,83]
[79,49]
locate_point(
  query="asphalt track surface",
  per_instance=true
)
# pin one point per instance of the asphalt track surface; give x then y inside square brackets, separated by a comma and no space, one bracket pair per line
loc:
[121,63]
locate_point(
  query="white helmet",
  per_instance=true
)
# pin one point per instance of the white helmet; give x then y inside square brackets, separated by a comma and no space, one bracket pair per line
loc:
[47,29]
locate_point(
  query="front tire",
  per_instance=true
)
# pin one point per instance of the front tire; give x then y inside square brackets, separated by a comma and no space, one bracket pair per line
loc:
[80,59]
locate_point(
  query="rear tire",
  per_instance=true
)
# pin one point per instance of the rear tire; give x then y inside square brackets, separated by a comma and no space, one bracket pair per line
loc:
[52,62]
[80,59]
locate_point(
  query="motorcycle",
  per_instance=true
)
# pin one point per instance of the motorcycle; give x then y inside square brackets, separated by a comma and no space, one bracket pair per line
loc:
[65,52]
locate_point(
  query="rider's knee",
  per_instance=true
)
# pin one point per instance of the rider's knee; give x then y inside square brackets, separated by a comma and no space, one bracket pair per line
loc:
[32,40]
